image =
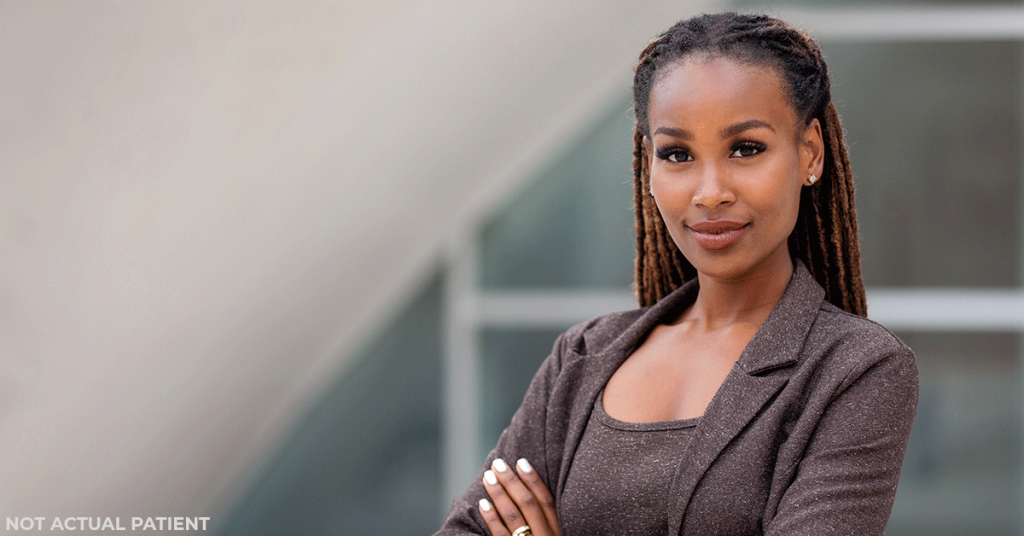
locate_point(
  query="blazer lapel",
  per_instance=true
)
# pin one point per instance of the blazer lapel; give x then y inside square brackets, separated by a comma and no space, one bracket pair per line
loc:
[745,391]
[592,371]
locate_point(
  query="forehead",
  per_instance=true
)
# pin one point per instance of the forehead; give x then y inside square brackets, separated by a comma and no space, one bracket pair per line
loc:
[701,90]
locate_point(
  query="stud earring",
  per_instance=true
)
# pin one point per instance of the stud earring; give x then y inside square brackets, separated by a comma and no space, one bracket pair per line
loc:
[651,191]
[812,179]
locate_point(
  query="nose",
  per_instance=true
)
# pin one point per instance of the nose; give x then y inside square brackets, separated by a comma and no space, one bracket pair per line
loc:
[713,189]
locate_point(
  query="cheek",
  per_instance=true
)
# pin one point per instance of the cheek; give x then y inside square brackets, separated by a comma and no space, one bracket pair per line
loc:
[790,211]
[670,196]
[778,202]
[671,186]
[787,191]
[671,202]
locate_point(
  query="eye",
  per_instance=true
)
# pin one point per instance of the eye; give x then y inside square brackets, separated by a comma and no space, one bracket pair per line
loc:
[747,149]
[674,154]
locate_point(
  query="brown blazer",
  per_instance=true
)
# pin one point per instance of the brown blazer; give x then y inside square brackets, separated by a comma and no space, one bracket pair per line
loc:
[805,436]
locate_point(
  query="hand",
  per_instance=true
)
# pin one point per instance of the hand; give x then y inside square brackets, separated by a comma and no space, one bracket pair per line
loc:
[518,501]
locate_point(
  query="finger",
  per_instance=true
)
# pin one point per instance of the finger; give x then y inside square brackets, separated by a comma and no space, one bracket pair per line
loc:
[490,516]
[503,503]
[541,492]
[524,499]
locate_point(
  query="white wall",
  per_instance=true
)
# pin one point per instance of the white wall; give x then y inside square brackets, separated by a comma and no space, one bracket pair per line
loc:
[205,205]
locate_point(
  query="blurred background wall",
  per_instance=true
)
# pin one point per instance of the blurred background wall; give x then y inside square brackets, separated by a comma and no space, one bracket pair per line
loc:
[290,265]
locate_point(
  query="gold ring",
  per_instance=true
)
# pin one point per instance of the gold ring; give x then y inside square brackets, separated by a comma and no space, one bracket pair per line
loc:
[522,531]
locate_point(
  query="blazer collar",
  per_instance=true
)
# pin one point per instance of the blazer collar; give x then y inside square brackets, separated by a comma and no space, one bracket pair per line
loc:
[759,374]
[778,341]
[595,368]
[775,345]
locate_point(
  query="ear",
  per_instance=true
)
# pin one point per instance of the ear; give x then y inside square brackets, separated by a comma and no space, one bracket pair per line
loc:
[812,152]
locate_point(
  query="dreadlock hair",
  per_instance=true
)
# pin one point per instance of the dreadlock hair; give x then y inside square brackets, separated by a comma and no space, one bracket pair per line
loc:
[825,235]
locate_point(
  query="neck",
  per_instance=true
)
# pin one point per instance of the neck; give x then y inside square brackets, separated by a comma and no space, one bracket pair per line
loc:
[749,299]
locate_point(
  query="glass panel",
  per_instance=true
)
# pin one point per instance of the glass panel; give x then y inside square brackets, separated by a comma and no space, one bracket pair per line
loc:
[573,227]
[510,359]
[934,131]
[935,152]
[366,459]
[962,473]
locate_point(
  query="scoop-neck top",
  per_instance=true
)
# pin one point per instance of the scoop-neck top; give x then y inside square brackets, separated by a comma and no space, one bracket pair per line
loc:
[621,475]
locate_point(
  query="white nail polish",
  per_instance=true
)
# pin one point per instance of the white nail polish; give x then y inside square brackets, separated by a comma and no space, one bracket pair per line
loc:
[500,465]
[524,465]
[490,478]
[484,505]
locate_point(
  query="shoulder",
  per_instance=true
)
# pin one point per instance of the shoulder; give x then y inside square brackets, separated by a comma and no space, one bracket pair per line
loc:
[587,353]
[620,331]
[848,345]
[602,333]
[837,326]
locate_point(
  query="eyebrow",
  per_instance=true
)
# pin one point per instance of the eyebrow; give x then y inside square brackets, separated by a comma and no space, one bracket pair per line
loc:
[728,132]
[745,125]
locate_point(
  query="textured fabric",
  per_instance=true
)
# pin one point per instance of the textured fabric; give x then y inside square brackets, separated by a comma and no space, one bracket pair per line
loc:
[805,436]
[620,476]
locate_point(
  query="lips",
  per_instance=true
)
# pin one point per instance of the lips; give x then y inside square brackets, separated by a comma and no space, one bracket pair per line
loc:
[717,234]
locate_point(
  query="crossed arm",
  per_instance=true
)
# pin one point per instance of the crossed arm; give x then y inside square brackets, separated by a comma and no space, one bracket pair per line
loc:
[518,498]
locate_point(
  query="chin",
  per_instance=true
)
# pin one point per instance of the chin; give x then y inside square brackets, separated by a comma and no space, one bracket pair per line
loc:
[725,269]
[721,269]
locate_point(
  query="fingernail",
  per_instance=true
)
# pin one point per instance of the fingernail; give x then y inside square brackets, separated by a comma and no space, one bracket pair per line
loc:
[524,465]
[490,478]
[500,465]
[484,505]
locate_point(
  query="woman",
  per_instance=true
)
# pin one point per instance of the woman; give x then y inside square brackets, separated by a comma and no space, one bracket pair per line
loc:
[748,395]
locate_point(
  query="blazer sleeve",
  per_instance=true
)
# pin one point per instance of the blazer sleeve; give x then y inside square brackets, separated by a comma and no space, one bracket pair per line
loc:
[845,482]
[523,438]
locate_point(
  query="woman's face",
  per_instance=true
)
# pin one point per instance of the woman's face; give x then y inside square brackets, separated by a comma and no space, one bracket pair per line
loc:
[728,160]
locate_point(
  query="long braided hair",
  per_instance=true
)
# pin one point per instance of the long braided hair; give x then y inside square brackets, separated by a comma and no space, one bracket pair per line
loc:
[825,235]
